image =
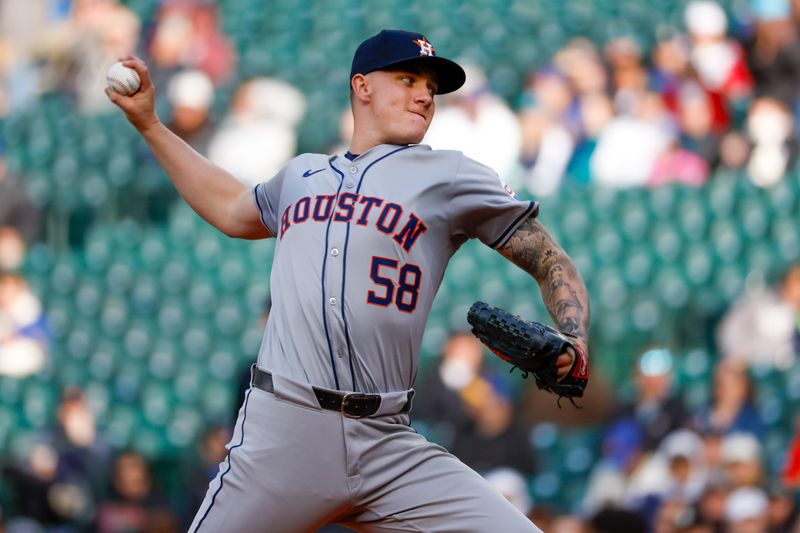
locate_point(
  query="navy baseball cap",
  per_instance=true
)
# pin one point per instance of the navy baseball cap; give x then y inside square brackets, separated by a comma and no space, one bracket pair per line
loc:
[393,48]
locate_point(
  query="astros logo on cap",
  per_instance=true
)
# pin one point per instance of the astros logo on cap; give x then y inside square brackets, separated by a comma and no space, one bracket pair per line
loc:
[425,48]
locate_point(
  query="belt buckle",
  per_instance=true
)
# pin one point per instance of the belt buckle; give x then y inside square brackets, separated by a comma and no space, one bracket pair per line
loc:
[355,396]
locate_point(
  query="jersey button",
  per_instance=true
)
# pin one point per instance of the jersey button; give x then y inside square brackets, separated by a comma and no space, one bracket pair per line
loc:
[341,352]
[349,184]
[334,252]
[353,170]
[332,300]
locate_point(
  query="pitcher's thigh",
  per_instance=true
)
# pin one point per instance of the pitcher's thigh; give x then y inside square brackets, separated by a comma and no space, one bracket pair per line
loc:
[279,475]
[442,495]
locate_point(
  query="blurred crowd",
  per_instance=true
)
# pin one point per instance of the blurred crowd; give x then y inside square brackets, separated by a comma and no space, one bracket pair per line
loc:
[717,92]
[663,466]
[718,95]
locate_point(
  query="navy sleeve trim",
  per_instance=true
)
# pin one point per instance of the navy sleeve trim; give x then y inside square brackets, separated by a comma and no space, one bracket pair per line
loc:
[532,210]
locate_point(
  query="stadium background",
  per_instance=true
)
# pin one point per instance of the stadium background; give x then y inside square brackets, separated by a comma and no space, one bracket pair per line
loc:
[152,314]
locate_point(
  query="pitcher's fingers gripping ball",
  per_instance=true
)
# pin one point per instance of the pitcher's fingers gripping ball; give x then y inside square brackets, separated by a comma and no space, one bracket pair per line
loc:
[532,347]
[123,80]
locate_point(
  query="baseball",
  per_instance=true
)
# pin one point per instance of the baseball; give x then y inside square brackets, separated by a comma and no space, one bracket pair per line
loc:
[122,79]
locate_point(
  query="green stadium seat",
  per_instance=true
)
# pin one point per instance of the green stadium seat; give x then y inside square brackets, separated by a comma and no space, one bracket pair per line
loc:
[671,287]
[138,340]
[38,404]
[786,235]
[608,245]
[692,217]
[119,278]
[754,217]
[175,277]
[172,319]
[783,197]
[222,364]
[114,317]
[184,428]
[121,422]
[103,360]
[663,202]
[638,266]
[89,297]
[726,240]
[196,341]
[153,251]
[145,295]
[156,403]
[189,381]
[699,265]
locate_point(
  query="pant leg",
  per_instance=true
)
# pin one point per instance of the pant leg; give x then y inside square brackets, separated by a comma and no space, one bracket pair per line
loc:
[283,472]
[410,484]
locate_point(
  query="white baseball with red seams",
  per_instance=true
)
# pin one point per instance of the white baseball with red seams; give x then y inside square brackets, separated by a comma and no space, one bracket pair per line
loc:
[123,80]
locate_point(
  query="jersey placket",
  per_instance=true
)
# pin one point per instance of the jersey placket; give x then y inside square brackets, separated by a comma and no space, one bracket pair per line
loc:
[335,285]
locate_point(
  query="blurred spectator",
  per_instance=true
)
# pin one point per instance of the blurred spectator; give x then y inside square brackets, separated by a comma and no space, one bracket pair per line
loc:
[264,112]
[742,460]
[25,28]
[187,36]
[746,511]
[547,142]
[470,119]
[782,512]
[48,491]
[719,61]
[494,438]
[771,127]
[684,455]
[732,408]
[628,76]
[211,452]
[614,520]
[12,249]
[191,93]
[512,485]
[83,455]
[658,408]
[734,151]
[670,69]
[24,336]
[695,119]
[711,507]
[620,478]
[16,209]
[133,498]
[100,32]
[629,146]
[567,524]
[440,410]
[761,327]
[790,475]
[583,67]
[773,54]
[596,111]
[679,165]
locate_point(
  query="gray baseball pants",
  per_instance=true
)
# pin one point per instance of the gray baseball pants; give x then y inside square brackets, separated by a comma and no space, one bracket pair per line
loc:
[293,467]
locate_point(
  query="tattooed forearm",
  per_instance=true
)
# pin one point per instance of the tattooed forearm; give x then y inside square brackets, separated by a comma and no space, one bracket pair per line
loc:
[563,291]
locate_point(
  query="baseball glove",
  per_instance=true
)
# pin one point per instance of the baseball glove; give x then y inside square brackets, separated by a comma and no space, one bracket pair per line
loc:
[532,347]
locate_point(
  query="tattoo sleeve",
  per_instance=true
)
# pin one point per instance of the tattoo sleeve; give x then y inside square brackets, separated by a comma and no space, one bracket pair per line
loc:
[563,291]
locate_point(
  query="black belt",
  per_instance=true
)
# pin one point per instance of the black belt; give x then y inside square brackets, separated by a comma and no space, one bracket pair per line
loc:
[350,404]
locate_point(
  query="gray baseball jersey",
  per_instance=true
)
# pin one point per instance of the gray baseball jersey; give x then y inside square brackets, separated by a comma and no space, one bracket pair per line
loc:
[361,249]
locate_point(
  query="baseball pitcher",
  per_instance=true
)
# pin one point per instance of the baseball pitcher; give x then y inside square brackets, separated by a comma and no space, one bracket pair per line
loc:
[362,242]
